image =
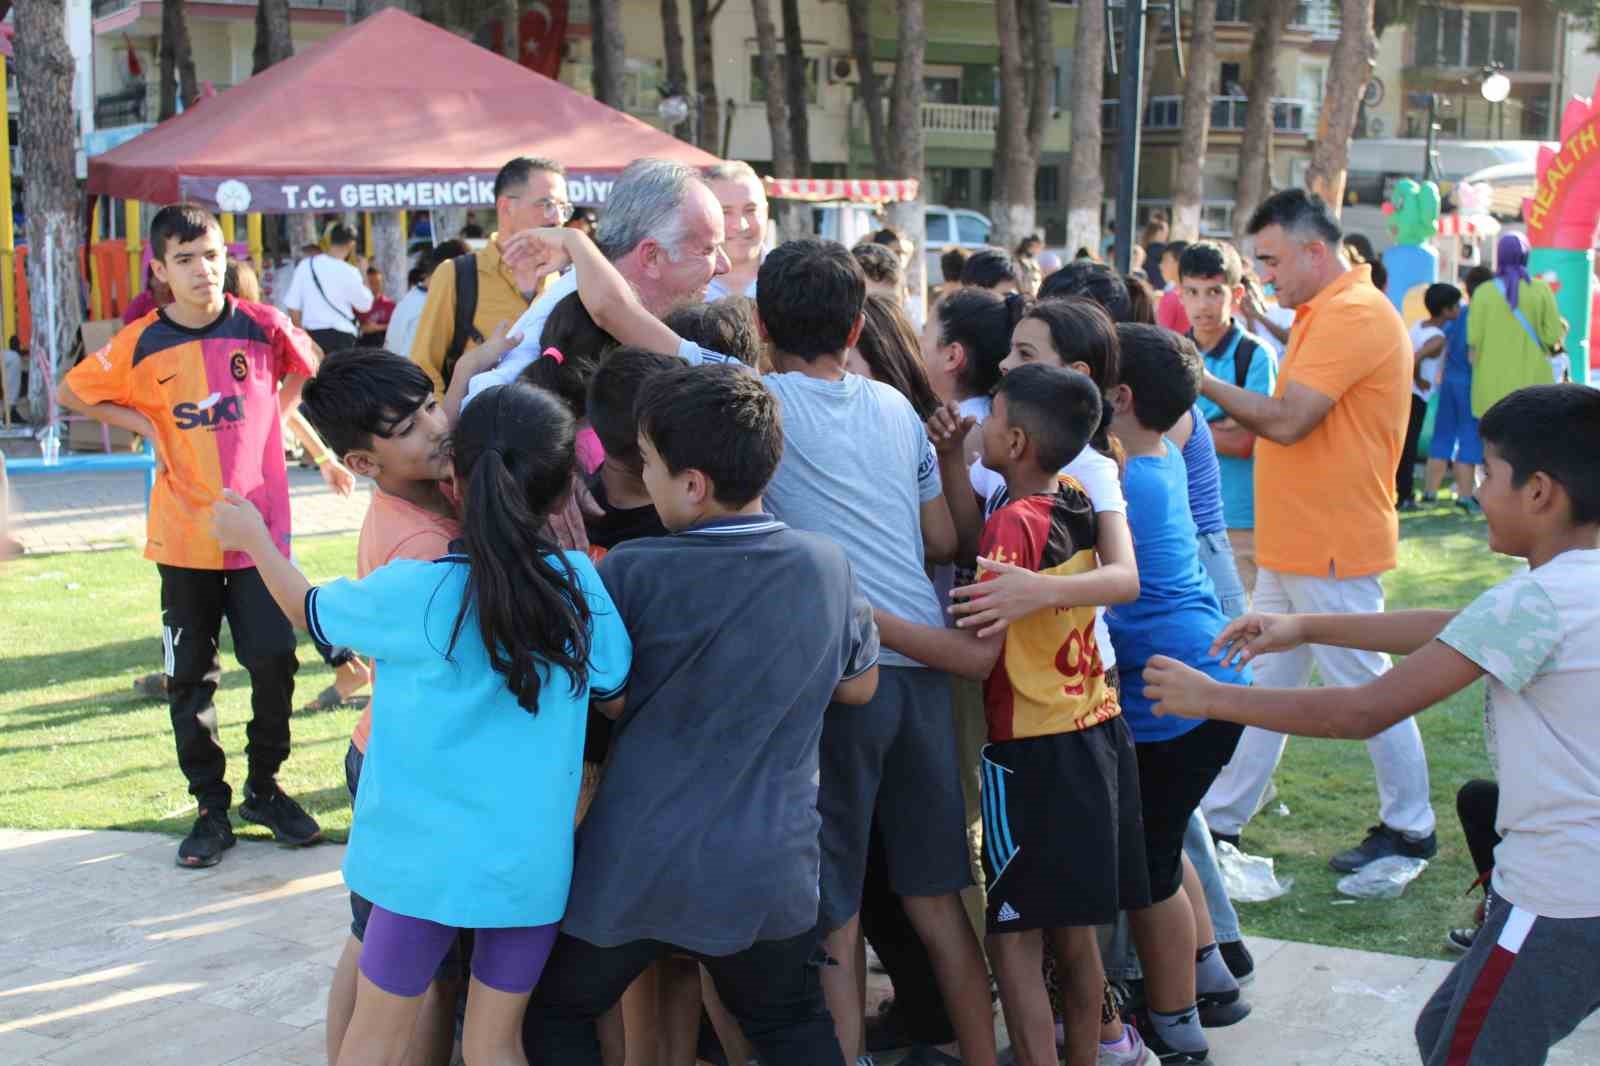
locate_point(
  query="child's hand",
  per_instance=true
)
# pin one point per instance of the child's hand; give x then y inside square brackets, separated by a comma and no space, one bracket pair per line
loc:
[487,355]
[237,524]
[543,248]
[948,428]
[336,477]
[1009,593]
[1174,688]
[1256,634]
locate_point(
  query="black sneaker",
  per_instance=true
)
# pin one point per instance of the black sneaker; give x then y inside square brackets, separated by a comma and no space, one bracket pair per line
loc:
[1382,842]
[1406,505]
[1239,961]
[210,836]
[1218,1010]
[1225,838]
[1164,1051]
[885,1030]
[1460,940]
[289,823]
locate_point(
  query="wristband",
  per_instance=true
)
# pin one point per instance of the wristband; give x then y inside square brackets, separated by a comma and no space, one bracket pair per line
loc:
[318,460]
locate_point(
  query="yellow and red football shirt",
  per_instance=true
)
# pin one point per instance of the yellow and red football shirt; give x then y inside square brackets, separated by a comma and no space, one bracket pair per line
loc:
[1049,679]
[212,395]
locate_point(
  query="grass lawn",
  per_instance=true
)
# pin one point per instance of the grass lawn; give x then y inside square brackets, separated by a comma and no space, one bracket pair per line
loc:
[78,749]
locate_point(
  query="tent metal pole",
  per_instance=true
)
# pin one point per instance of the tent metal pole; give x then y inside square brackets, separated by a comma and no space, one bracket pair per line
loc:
[96,283]
[226,218]
[252,228]
[8,240]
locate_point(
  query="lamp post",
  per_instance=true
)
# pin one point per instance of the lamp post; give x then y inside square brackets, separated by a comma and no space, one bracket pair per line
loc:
[1495,88]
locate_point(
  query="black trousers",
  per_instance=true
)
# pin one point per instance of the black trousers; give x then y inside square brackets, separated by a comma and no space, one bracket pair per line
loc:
[773,988]
[193,605]
[332,340]
[1477,803]
[1405,478]
[918,1003]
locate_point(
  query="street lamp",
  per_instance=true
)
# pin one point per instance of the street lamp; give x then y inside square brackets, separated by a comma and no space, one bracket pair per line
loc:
[1496,86]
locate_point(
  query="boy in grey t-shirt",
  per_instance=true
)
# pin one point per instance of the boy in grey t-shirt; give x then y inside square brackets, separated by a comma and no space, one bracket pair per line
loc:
[703,835]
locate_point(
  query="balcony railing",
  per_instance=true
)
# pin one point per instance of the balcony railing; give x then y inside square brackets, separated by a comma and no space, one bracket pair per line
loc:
[102,8]
[122,109]
[1227,113]
[959,118]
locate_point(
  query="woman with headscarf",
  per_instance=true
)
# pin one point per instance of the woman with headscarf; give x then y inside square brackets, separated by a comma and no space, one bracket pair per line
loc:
[1512,326]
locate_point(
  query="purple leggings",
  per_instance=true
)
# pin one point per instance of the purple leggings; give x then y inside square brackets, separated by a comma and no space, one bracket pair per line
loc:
[400,954]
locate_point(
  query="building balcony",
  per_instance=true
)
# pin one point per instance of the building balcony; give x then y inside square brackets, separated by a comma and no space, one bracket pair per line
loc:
[963,126]
[104,8]
[1165,113]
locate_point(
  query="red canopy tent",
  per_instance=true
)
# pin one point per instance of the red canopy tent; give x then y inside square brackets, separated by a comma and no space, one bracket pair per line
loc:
[391,113]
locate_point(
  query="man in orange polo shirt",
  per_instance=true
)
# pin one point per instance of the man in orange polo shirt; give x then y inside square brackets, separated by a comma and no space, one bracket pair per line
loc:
[1328,441]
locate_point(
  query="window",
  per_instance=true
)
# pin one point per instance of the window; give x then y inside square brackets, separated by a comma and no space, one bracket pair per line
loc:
[945,90]
[1232,79]
[938,229]
[1164,113]
[758,83]
[960,187]
[1047,188]
[1454,37]
[970,228]
[986,177]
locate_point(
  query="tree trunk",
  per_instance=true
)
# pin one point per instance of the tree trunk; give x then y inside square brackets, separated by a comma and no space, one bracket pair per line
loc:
[1189,193]
[705,76]
[46,140]
[870,93]
[908,149]
[794,84]
[1255,178]
[677,74]
[510,31]
[1026,70]
[1085,182]
[1350,67]
[178,80]
[610,51]
[274,43]
[791,216]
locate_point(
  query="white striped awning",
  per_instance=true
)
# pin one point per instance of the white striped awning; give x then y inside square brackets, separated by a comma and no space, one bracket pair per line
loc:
[1468,226]
[852,190]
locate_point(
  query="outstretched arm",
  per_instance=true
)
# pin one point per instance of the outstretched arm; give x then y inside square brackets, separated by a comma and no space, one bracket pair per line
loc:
[950,650]
[239,527]
[1395,632]
[605,293]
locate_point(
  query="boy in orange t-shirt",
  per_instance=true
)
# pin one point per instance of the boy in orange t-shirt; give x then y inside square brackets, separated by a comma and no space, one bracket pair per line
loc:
[207,379]
[378,414]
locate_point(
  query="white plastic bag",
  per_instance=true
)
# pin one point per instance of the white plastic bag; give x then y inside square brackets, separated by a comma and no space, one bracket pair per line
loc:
[1384,878]
[1249,878]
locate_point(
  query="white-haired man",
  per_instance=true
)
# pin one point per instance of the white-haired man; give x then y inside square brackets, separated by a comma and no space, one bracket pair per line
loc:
[744,221]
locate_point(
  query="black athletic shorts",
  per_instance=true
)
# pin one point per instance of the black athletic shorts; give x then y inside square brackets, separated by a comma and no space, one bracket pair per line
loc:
[1062,839]
[1174,776]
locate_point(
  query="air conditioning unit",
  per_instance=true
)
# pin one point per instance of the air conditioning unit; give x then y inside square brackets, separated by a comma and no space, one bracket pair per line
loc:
[1375,127]
[843,70]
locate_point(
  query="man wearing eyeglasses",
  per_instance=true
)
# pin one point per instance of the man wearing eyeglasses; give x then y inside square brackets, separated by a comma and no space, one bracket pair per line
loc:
[528,193]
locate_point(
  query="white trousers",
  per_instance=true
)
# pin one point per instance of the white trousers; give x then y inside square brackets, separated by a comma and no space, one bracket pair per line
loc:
[13,376]
[1400,764]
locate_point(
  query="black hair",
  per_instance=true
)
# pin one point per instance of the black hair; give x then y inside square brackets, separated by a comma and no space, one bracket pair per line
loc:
[1082,332]
[417,275]
[1440,297]
[613,395]
[582,344]
[1380,275]
[514,453]
[448,250]
[472,232]
[1058,408]
[1175,249]
[1210,259]
[515,174]
[361,393]
[889,345]
[1141,300]
[1477,276]
[981,321]
[340,235]
[988,267]
[889,235]
[1362,245]
[878,262]
[726,326]
[809,293]
[719,420]
[180,223]
[1554,429]
[1022,245]
[952,261]
[1153,253]
[1298,210]
[1093,281]
[1163,370]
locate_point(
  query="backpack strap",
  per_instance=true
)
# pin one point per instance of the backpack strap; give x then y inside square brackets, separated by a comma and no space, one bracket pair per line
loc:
[464,332]
[1244,354]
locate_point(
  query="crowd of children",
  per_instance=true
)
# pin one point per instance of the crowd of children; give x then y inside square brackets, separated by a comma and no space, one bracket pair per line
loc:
[740,679]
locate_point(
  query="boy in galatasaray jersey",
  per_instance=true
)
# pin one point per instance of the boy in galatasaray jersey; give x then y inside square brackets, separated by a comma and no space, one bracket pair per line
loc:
[207,379]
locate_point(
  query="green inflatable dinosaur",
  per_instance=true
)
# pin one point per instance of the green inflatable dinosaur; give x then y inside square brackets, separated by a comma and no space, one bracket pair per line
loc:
[1414,214]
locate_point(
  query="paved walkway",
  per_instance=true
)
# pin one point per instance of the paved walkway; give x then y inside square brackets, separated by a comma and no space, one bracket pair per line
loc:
[111,954]
[76,512]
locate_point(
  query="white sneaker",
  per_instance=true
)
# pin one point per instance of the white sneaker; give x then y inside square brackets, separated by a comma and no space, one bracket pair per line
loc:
[1137,1055]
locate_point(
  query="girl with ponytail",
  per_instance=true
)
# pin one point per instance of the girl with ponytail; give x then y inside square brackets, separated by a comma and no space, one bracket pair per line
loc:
[488,661]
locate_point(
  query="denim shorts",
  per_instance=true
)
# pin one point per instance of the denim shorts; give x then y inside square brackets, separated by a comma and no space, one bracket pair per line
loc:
[1216,556]
[361,908]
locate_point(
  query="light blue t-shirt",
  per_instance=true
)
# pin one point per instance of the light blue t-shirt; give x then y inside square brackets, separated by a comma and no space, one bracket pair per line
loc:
[465,812]
[1238,475]
[857,468]
[1177,613]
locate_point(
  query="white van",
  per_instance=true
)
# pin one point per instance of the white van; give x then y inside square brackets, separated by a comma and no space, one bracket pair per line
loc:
[945,227]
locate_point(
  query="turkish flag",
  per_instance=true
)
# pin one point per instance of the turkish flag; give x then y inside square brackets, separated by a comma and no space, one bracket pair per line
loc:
[542,30]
